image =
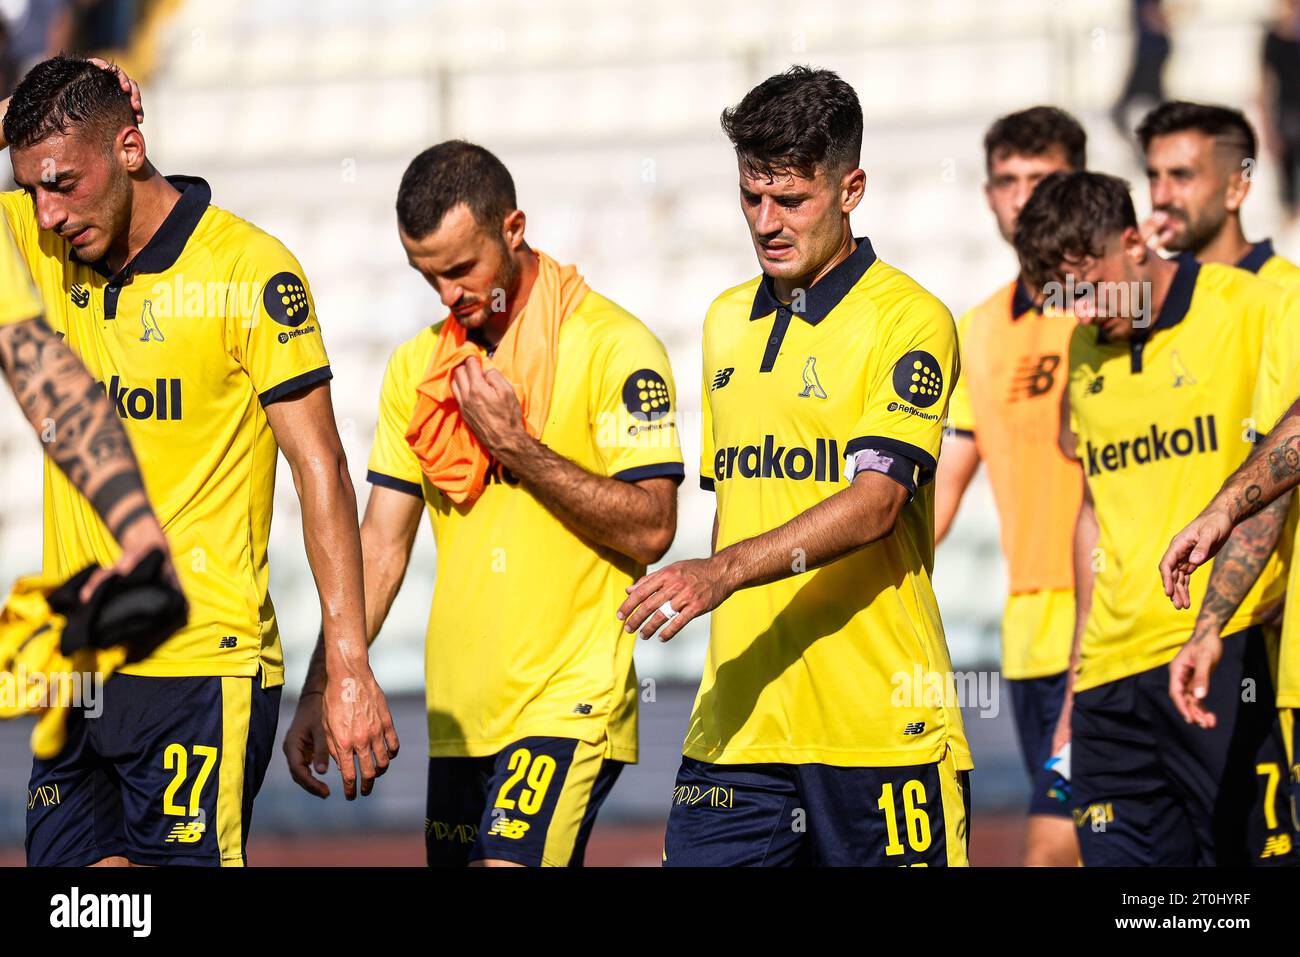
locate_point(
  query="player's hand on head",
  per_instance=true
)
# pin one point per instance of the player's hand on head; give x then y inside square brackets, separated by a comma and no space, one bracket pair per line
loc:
[1191,548]
[129,86]
[305,746]
[671,597]
[1189,678]
[489,405]
[358,729]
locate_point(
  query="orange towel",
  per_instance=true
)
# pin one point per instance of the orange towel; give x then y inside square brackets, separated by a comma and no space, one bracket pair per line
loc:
[450,455]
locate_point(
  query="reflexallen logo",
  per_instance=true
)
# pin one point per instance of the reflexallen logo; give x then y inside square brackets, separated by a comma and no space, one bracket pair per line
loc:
[284,337]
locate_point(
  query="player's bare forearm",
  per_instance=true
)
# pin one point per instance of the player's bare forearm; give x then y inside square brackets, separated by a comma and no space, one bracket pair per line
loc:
[304,428]
[357,725]
[957,466]
[1086,534]
[72,415]
[849,520]
[1237,567]
[387,534]
[637,519]
[1272,469]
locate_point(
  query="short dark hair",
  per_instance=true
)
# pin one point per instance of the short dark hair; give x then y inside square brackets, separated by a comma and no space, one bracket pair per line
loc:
[63,93]
[1033,132]
[795,122]
[447,175]
[1225,124]
[1070,216]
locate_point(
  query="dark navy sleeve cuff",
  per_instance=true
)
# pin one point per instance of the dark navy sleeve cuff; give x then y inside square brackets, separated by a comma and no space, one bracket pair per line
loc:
[672,470]
[706,483]
[296,384]
[924,460]
[400,485]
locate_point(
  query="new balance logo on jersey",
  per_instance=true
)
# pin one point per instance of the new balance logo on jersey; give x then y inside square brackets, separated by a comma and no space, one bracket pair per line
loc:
[582,708]
[1095,386]
[1153,446]
[186,832]
[1035,377]
[164,402]
[1277,845]
[229,641]
[509,827]
[916,727]
[721,378]
[811,384]
[151,331]
[80,296]
[769,460]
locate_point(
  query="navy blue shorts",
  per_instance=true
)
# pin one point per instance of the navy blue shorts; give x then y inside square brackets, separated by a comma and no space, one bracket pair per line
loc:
[1151,789]
[775,815]
[532,803]
[1036,703]
[160,771]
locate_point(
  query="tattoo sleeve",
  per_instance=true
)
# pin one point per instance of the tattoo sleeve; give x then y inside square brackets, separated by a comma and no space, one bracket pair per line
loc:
[74,420]
[1237,566]
[1272,469]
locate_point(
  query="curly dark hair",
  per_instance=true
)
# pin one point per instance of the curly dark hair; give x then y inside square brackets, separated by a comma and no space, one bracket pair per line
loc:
[795,122]
[65,93]
[1033,132]
[1069,217]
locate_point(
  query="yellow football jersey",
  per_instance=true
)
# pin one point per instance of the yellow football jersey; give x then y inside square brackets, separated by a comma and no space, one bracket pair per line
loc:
[1267,264]
[1275,375]
[1035,626]
[18,301]
[1161,421]
[1278,387]
[846,664]
[523,639]
[211,321]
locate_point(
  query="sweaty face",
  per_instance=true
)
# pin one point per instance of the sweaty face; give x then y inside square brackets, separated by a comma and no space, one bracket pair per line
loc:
[469,267]
[1189,175]
[796,222]
[1012,178]
[81,193]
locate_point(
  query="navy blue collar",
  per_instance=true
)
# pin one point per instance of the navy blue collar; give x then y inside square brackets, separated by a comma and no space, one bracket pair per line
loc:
[825,294]
[166,244]
[1259,254]
[1021,302]
[1177,300]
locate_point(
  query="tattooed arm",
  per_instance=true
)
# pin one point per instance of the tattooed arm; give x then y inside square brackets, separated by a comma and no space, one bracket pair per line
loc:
[1271,470]
[1235,571]
[82,434]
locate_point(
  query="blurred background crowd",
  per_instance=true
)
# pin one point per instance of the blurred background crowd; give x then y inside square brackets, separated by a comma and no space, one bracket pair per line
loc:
[302,115]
